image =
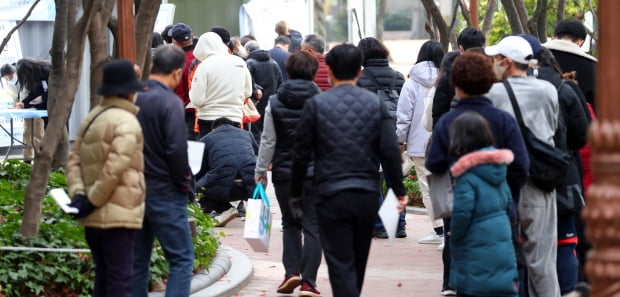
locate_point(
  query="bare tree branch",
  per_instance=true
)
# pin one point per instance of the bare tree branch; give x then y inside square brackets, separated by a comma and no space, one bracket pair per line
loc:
[488,17]
[465,12]
[19,24]
[522,12]
[513,16]
[561,11]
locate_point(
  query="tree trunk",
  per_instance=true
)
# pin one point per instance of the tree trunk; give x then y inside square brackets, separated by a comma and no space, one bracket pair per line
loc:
[466,13]
[98,41]
[561,10]
[522,12]
[319,18]
[538,24]
[63,83]
[488,17]
[513,16]
[382,5]
[146,13]
[442,27]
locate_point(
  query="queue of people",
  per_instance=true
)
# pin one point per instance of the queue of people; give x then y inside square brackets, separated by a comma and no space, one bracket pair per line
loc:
[335,126]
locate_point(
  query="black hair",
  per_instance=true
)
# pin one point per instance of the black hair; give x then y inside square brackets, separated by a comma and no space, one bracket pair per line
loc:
[345,61]
[469,132]
[221,122]
[373,48]
[301,65]
[572,29]
[245,38]
[431,51]
[6,69]
[316,42]
[31,72]
[471,37]
[545,58]
[282,39]
[167,58]
[164,34]
[223,33]
[157,40]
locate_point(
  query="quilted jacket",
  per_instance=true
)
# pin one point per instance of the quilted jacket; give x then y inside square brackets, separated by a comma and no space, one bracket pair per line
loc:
[106,165]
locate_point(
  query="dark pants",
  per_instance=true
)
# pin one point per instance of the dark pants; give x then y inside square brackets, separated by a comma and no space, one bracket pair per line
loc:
[113,253]
[257,129]
[521,265]
[190,120]
[567,264]
[299,258]
[445,256]
[346,220]
[238,192]
[205,127]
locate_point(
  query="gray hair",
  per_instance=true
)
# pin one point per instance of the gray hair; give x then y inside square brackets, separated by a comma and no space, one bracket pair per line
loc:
[251,46]
[167,58]
[316,42]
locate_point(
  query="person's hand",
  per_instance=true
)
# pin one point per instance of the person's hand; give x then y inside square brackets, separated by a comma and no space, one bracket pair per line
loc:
[296,203]
[19,105]
[259,95]
[261,178]
[402,203]
[83,205]
[402,148]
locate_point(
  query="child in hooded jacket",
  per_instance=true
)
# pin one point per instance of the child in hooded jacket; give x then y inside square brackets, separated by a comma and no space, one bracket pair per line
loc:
[483,259]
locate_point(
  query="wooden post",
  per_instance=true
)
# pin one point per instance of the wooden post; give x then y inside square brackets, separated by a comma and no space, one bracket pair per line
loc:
[602,213]
[126,31]
[473,13]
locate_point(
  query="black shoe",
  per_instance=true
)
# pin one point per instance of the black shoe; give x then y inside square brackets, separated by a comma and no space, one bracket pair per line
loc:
[241,209]
[379,232]
[400,232]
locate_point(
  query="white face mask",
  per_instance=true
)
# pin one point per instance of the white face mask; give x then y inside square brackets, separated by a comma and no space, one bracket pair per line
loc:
[14,79]
[499,69]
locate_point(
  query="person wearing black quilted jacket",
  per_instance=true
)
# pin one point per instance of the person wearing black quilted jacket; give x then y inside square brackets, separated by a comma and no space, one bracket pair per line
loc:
[347,132]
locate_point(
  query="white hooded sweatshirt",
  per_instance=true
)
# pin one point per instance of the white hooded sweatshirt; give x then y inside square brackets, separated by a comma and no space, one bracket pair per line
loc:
[221,82]
[410,108]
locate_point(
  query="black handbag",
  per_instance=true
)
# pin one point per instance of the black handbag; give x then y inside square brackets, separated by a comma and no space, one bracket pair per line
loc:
[548,164]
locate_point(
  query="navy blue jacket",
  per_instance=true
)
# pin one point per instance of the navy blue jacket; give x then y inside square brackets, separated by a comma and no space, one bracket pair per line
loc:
[162,117]
[279,55]
[230,153]
[506,133]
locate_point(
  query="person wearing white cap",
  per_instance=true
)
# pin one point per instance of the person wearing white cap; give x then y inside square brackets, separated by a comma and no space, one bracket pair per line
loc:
[538,102]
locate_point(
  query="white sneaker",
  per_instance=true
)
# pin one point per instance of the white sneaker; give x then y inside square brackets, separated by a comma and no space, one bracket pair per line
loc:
[226,217]
[442,244]
[431,238]
[448,293]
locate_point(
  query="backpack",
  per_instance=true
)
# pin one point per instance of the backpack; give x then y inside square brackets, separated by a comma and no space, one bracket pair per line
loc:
[389,95]
[548,164]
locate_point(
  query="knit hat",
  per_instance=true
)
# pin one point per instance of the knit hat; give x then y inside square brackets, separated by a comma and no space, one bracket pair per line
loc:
[119,78]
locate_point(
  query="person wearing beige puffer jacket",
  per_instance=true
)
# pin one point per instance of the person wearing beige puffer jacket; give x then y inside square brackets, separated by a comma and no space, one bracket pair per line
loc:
[106,180]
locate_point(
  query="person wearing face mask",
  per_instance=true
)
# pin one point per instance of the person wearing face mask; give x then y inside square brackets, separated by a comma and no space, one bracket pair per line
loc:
[538,101]
[8,89]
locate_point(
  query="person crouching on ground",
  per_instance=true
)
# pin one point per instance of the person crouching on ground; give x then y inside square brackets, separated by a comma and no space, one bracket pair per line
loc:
[105,178]
[227,172]
[480,224]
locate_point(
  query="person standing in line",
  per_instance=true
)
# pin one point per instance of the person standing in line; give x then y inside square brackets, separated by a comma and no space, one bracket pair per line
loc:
[409,129]
[169,180]
[182,36]
[280,52]
[105,178]
[346,159]
[301,261]
[221,82]
[8,89]
[316,45]
[537,209]
[480,224]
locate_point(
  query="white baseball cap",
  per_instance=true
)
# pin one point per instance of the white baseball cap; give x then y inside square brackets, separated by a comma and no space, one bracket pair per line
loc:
[515,48]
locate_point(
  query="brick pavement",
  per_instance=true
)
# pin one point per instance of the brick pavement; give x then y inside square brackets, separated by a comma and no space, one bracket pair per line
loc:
[406,269]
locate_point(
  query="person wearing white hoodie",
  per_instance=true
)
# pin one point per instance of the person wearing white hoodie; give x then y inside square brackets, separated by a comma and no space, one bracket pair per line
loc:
[221,83]
[409,128]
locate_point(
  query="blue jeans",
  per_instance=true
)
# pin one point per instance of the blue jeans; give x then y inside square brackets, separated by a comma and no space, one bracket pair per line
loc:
[165,218]
[401,219]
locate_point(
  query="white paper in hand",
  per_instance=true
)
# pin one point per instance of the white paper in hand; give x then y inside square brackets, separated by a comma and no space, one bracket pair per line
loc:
[195,150]
[389,215]
[63,200]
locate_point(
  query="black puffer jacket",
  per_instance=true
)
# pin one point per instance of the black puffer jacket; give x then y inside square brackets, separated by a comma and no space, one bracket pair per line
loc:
[286,107]
[230,153]
[385,76]
[346,131]
[266,73]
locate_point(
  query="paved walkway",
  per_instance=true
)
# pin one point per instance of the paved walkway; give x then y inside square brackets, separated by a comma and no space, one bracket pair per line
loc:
[406,269]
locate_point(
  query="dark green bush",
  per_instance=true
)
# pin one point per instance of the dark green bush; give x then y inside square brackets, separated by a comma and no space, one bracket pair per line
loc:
[398,21]
[64,274]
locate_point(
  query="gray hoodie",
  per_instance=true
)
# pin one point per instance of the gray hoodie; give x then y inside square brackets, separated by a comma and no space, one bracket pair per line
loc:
[410,108]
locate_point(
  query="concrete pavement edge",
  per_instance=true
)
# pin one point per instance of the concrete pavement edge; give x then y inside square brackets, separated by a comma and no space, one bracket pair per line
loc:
[231,281]
[417,210]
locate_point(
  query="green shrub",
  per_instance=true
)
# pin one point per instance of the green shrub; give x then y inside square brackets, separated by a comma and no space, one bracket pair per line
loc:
[398,21]
[64,274]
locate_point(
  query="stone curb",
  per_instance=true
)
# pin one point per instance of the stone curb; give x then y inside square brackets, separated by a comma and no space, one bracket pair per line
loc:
[417,210]
[229,272]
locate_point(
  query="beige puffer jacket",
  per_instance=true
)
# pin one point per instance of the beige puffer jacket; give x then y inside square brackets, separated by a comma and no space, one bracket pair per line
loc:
[106,165]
